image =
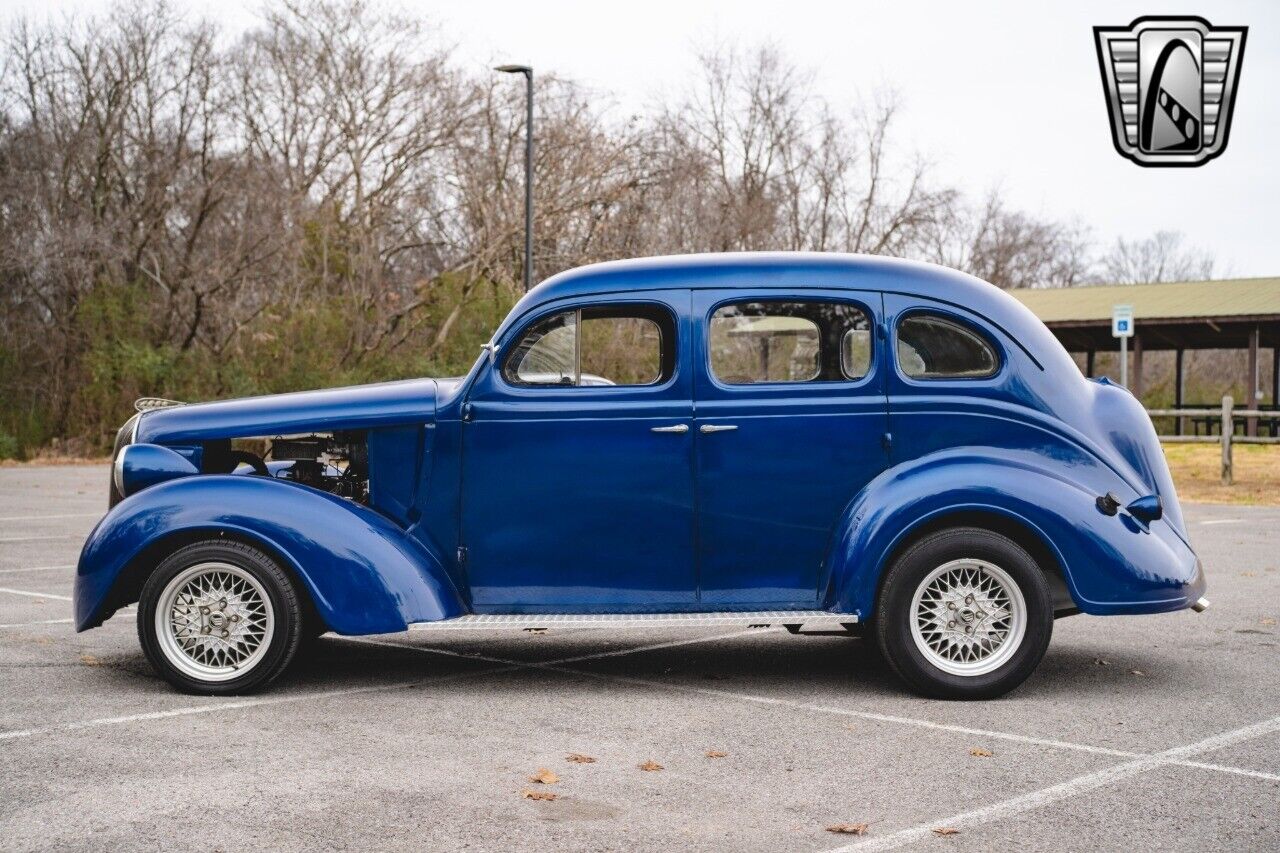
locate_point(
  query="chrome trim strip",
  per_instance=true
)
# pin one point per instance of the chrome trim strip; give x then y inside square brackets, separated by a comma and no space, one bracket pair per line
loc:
[762,618]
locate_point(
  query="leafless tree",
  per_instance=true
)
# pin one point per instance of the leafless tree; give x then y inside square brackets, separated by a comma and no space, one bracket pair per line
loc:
[1010,248]
[330,196]
[1164,256]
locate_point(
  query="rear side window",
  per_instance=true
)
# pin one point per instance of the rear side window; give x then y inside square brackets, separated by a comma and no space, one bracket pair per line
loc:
[600,345]
[933,347]
[754,342]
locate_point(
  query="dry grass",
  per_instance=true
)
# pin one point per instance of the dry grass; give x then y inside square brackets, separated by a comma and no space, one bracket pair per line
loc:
[50,459]
[1197,473]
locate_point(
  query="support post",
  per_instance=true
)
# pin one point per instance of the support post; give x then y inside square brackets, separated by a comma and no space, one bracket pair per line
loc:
[1179,388]
[1088,364]
[1275,374]
[1226,440]
[1251,382]
[1124,362]
[1137,366]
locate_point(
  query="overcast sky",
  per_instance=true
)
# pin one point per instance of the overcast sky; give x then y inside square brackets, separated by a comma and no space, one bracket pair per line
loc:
[1000,94]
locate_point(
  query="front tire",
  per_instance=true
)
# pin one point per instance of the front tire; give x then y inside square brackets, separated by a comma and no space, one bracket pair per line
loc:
[964,614]
[219,618]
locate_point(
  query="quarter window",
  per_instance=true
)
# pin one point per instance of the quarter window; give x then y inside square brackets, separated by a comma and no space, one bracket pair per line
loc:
[754,342]
[600,345]
[933,347]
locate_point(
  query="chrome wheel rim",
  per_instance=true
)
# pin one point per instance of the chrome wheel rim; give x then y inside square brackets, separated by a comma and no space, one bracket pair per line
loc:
[968,617]
[214,621]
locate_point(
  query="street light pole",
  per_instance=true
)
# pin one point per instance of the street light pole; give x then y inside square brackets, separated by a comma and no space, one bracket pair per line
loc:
[528,167]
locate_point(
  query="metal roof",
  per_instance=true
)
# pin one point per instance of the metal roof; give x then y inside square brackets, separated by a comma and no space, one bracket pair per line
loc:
[1227,299]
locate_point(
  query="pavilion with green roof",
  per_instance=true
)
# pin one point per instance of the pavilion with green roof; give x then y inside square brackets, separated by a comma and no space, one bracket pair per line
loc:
[1229,314]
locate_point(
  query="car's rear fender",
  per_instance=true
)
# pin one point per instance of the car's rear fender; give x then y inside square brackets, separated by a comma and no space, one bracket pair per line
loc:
[364,574]
[1111,564]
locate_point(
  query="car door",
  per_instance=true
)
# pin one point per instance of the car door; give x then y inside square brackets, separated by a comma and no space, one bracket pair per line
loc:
[790,421]
[577,490]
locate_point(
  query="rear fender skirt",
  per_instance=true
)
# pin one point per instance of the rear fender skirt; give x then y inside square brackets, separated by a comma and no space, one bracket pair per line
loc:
[364,575]
[1111,564]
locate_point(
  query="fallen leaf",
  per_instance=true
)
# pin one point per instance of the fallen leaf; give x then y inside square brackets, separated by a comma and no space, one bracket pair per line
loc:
[1248,574]
[651,765]
[544,777]
[1268,621]
[946,830]
[579,758]
[1102,662]
[848,828]
[979,752]
[1137,672]
[715,753]
[538,795]
[90,660]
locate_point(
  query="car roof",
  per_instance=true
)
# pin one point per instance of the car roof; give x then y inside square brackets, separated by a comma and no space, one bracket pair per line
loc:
[785,271]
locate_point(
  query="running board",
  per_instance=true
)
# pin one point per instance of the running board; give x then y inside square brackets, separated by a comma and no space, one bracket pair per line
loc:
[755,619]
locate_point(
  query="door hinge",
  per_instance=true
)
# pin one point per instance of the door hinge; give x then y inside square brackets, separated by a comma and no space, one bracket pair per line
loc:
[468,413]
[462,555]
[886,441]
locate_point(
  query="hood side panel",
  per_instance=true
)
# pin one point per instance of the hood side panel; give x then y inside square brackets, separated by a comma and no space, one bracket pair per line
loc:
[357,407]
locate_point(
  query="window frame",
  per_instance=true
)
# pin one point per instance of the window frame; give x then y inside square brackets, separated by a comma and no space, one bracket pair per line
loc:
[792,385]
[999,353]
[650,309]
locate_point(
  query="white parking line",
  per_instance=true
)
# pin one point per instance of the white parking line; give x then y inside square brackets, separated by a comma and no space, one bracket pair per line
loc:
[15,734]
[36,569]
[12,591]
[1210,521]
[127,610]
[216,706]
[560,666]
[43,517]
[41,538]
[1063,790]
[38,622]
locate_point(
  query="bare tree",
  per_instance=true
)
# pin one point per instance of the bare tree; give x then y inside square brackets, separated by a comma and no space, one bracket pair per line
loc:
[1010,248]
[330,197]
[1163,256]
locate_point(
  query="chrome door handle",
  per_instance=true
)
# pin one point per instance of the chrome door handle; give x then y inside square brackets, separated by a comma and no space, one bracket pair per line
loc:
[706,428]
[677,428]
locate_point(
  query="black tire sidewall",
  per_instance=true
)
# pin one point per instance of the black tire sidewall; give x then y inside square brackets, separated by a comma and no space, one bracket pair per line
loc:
[282,596]
[893,613]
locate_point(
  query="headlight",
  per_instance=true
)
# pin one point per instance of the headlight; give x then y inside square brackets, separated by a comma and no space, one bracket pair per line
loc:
[126,435]
[142,465]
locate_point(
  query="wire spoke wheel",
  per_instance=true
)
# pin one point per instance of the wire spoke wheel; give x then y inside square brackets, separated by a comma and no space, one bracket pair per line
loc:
[214,621]
[968,617]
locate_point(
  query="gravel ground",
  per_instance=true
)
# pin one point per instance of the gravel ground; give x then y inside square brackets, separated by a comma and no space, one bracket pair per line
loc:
[1136,733]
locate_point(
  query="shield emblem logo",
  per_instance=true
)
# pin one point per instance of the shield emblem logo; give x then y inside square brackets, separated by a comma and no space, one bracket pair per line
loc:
[1170,84]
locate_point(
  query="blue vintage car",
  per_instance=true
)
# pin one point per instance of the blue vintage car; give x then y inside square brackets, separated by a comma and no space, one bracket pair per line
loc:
[826,442]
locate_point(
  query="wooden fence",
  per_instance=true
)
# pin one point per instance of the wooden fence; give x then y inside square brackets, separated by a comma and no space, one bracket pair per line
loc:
[1226,424]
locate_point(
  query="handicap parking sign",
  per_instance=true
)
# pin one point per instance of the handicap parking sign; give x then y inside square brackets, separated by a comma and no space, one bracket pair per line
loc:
[1122,321]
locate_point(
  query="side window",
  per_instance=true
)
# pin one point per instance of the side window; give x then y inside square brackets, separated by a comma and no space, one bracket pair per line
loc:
[600,345]
[753,342]
[933,347]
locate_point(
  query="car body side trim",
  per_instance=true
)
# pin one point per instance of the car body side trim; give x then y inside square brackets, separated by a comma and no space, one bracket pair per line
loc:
[763,618]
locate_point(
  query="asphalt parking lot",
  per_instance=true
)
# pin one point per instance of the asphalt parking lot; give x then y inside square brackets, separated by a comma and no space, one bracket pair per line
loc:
[1137,733]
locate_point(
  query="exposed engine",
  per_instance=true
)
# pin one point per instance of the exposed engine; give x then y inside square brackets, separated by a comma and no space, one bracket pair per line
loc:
[336,463]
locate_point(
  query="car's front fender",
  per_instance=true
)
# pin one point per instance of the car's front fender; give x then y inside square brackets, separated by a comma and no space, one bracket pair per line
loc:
[363,573]
[1111,564]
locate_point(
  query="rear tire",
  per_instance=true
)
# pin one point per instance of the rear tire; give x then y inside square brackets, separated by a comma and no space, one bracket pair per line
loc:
[964,614]
[219,618]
